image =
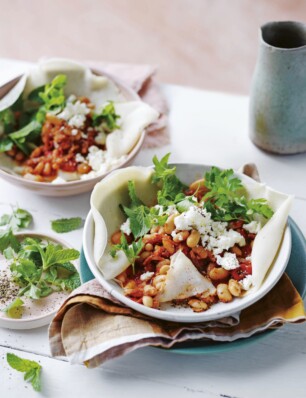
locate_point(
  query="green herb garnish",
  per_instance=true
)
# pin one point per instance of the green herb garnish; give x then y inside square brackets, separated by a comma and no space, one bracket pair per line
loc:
[165,176]
[227,198]
[131,251]
[19,218]
[107,119]
[40,268]
[31,369]
[64,225]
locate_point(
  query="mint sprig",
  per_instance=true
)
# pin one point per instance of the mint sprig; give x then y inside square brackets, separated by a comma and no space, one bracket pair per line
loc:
[64,225]
[31,369]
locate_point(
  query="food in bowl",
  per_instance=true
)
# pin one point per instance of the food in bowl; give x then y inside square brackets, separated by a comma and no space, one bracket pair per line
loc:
[63,123]
[195,245]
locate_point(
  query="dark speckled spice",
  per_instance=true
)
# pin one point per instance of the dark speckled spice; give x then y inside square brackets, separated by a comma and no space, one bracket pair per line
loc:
[8,289]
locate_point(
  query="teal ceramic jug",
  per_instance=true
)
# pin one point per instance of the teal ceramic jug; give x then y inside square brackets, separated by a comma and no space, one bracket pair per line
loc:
[278,93]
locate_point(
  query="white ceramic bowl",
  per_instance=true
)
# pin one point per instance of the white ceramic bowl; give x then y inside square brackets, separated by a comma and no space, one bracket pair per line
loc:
[40,312]
[72,187]
[188,173]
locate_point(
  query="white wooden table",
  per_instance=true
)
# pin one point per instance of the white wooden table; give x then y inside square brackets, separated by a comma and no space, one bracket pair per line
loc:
[208,128]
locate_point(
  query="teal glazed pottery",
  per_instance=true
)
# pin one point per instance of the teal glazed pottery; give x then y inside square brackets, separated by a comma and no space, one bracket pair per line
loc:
[278,93]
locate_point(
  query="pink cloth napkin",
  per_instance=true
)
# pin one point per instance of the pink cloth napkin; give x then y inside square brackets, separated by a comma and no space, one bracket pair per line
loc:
[141,78]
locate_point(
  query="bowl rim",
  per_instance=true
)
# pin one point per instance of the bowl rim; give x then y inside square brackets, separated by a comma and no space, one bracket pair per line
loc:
[123,87]
[283,254]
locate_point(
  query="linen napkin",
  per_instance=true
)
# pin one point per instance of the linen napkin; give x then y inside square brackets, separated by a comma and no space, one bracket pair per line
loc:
[92,327]
[141,79]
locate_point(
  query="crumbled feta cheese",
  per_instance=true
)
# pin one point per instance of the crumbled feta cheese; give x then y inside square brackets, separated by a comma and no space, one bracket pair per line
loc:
[100,138]
[126,227]
[146,276]
[79,158]
[214,235]
[71,98]
[253,227]
[74,113]
[171,210]
[74,131]
[246,282]
[84,135]
[95,157]
[228,261]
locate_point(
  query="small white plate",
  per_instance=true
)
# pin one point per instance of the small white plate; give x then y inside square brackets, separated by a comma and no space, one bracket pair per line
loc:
[188,173]
[36,312]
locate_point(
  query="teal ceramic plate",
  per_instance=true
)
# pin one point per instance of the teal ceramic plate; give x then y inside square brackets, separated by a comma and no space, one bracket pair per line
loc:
[296,270]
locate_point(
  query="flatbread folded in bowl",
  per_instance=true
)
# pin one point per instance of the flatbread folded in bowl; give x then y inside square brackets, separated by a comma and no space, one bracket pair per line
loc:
[183,280]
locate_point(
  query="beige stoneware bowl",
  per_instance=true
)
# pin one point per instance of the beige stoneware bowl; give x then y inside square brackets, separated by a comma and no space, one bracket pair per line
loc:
[73,187]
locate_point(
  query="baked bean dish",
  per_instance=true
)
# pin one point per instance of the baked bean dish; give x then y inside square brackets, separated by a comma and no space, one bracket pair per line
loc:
[193,246]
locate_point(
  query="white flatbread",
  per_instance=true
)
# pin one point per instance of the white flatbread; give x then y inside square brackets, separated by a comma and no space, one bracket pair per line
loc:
[183,280]
[105,200]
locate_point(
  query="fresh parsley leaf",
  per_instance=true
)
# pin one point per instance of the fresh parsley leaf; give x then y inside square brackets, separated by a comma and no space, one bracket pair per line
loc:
[15,309]
[227,198]
[107,119]
[64,225]
[31,369]
[19,218]
[53,97]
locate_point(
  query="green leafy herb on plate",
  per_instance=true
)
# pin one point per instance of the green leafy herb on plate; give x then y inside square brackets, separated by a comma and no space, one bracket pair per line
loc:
[107,119]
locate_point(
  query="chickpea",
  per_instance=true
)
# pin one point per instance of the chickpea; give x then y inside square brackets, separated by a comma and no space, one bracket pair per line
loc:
[154,229]
[234,287]
[164,269]
[193,238]
[169,225]
[161,263]
[149,290]
[181,236]
[149,247]
[159,279]
[223,293]
[83,168]
[129,287]
[147,301]
[210,267]
[218,274]
[197,305]
[144,255]
[168,245]
[47,169]
[200,252]
[39,168]
[116,237]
